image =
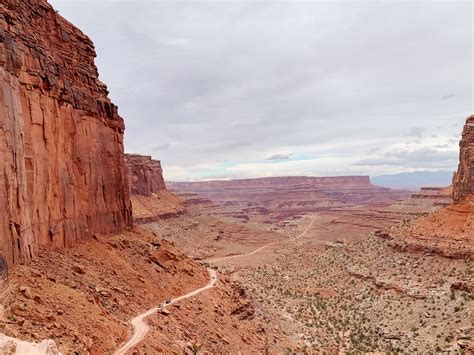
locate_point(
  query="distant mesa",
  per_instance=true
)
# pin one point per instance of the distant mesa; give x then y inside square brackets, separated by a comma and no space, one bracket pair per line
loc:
[288,196]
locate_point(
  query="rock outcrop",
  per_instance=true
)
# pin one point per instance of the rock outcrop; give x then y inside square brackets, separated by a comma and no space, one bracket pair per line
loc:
[62,172]
[463,180]
[450,230]
[144,175]
[150,198]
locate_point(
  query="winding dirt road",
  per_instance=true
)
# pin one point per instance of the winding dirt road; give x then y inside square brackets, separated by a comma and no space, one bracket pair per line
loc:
[141,328]
[214,260]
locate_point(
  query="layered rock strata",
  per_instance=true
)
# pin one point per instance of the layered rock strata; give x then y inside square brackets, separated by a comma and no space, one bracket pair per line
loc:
[150,198]
[145,175]
[280,198]
[62,172]
[463,180]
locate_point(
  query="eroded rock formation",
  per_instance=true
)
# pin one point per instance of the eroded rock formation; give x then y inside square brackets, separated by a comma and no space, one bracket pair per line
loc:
[62,172]
[448,231]
[280,198]
[150,198]
[463,181]
[144,175]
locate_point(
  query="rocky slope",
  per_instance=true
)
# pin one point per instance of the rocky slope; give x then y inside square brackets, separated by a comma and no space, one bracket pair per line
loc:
[62,176]
[150,198]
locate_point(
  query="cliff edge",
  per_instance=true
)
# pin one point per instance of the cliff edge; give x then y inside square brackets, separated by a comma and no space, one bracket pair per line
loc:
[150,198]
[62,172]
[463,180]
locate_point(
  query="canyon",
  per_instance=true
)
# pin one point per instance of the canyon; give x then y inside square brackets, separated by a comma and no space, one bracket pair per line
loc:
[99,255]
[74,268]
[278,198]
[388,274]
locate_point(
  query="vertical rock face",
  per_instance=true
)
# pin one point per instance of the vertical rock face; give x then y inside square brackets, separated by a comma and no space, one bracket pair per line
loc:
[62,172]
[150,198]
[144,175]
[463,181]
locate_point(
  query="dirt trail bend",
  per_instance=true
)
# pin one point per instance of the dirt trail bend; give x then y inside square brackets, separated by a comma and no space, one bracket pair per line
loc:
[141,328]
[302,234]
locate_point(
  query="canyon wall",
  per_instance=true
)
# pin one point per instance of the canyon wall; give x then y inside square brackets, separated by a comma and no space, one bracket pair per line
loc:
[275,182]
[62,172]
[144,175]
[282,198]
[150,198]
[463,180]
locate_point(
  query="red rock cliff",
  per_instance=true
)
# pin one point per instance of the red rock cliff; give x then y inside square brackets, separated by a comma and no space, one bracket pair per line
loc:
[463,181]
[62,172]
[150,198]
[144,174]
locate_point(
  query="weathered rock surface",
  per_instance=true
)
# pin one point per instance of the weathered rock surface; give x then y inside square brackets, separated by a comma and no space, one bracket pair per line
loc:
[150,198]
[62,172]
[144,175]
[9,345]
[463,180]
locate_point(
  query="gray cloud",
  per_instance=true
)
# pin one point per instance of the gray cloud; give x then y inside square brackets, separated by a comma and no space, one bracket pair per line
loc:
[416,132]
[161,147]
[240,80]
[447,96]
[279,157]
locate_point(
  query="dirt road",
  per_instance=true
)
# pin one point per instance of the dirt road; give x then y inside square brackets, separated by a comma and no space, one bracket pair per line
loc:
[214,260]
[141,328]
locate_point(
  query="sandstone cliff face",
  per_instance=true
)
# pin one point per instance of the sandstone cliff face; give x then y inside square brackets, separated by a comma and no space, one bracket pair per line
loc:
[144,175]
[150,198]
[62,174]
[463,181]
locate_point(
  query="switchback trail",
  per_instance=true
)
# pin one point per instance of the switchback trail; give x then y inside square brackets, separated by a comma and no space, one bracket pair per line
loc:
[214,260]
[141,328]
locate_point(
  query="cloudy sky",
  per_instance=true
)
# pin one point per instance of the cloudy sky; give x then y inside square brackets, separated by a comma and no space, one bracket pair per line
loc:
[244,89]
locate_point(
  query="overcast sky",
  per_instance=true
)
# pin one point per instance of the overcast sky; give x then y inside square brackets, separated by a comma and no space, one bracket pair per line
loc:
[245,89]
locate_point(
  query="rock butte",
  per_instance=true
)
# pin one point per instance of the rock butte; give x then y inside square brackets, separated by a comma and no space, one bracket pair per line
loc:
[63,175]
[144,175]
[150,198]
